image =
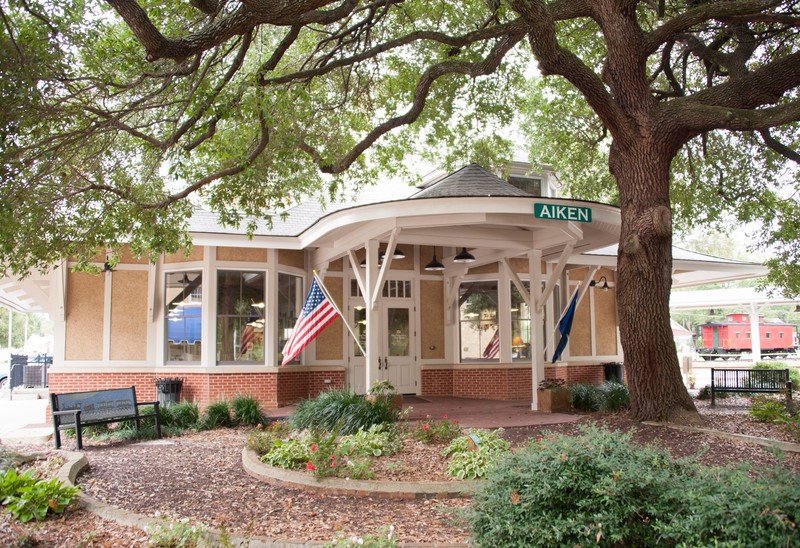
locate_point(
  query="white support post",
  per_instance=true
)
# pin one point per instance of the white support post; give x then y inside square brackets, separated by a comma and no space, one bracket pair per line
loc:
[373,356]
[537,350]
[755,332]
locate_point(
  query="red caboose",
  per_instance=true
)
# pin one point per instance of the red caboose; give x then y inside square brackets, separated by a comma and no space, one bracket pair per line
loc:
[731,338]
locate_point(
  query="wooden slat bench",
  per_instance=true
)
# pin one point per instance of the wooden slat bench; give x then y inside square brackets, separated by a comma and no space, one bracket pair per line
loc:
[79,409]
[757,381]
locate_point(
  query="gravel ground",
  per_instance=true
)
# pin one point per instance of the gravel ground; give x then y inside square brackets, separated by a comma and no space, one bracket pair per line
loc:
[199,476]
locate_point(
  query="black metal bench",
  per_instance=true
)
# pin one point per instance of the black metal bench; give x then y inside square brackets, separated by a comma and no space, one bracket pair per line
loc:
[757,381]
[79,409]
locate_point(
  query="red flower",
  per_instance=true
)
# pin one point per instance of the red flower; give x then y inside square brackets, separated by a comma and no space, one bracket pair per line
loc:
[424,426]
[259,426]
[309,466]
[538,439]
[333,464]
[313,447]
[333,457]
[445,415]
[455,421]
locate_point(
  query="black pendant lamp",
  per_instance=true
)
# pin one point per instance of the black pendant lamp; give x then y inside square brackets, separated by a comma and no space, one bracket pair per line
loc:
[464,257]
[435,264]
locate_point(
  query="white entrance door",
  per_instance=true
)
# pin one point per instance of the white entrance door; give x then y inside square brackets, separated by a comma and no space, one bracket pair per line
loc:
[357,374]
[397,361]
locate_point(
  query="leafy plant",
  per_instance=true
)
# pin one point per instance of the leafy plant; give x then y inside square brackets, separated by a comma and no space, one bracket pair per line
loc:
[217,415]
[586,397]
[341,411]
[383,539]
[599,488]
[178,534]
[473,462]
[432,430]
[28,498]
[766,409]
[382,388]
[380,439]
[289,453]
[261,439]
[182,415]
[551,384]
[325,458]
[615,396]
[247,410]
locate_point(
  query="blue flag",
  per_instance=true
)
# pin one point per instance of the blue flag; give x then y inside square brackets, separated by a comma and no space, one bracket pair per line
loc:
[564,327]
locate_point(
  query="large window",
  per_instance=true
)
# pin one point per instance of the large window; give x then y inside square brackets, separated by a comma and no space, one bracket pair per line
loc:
[240,316]
[520,324]
[290,303]
[477,303]
[183,311]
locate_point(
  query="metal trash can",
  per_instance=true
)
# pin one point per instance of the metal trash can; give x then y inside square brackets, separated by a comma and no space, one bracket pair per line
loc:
[168,391]
[17,372]
[612,371]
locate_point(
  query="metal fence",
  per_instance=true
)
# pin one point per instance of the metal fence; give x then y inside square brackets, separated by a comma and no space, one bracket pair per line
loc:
[29,372]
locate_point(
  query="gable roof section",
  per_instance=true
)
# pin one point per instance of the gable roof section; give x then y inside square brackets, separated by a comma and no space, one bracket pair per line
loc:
[470,181]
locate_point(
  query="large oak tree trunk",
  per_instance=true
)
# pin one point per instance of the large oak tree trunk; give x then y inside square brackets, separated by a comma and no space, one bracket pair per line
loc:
[644,280]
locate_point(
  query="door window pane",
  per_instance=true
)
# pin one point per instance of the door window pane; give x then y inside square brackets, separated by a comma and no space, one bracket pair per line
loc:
[398,331]
[520,324]
[240,316]
[290,303]
[183,315]
[477,305]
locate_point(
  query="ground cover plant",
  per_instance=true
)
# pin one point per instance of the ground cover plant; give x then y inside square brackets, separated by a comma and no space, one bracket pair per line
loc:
[27,497]
[598,488]
[610,396]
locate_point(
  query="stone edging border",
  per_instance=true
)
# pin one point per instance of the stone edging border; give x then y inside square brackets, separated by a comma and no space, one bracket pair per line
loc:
[362,488]
[765,442]
[76,462]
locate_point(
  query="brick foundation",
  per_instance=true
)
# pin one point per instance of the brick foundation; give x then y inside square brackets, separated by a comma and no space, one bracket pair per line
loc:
[271,389]
[500,383]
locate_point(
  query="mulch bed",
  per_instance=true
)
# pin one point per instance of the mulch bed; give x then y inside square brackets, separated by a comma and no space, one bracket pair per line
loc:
[199,476]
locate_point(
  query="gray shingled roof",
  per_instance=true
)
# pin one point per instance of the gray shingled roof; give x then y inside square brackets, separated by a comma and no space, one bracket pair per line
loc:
[470,181]
[298,219]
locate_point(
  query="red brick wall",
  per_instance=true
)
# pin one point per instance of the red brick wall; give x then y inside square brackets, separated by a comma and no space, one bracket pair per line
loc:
[501,384]
[271,389]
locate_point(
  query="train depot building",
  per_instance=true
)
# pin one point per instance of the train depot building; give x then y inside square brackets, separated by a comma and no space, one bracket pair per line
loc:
[454,288]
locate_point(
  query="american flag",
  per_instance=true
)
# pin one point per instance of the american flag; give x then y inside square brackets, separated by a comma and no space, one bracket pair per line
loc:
[246,340]
[491,350]
[317,314]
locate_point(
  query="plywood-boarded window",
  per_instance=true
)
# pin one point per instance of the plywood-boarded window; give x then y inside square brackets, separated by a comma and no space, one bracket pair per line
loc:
[84,318]
[128,315]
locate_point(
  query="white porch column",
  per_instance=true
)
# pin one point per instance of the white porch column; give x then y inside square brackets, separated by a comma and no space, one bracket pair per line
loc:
[755,332]
[373,316]
[537,317]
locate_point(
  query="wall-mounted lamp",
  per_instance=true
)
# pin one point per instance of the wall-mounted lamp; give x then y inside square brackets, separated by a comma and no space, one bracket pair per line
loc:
[464,257]
[712,312]
[602,279]
[797,308]
[107,267]
[435,264]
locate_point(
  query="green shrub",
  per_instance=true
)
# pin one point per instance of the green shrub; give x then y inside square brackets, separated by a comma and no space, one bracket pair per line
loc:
[794,374]
[766,409]
[261,440]
[594,488]
[217,415]
[247,410]
[705,394]
[289,453]
[178,534]
[380,439]
[467,463]
[734,507]
[586,397]
[615,396]
[27,498]
[182,415]
[341,411]
[432,430]
[598,488]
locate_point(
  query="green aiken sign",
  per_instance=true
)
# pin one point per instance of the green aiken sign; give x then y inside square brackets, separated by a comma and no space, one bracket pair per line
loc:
[562,213]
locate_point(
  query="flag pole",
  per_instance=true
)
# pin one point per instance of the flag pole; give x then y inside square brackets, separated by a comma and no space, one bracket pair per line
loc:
[342,316]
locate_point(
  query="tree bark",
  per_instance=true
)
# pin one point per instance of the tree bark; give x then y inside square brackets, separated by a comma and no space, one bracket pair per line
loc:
[644,280]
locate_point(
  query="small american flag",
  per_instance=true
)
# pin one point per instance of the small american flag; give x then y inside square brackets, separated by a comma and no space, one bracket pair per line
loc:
[247,339]
[317,314]
[491,350]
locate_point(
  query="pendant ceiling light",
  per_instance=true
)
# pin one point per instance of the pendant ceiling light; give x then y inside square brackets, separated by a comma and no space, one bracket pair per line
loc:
[464,257]
[435,264]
